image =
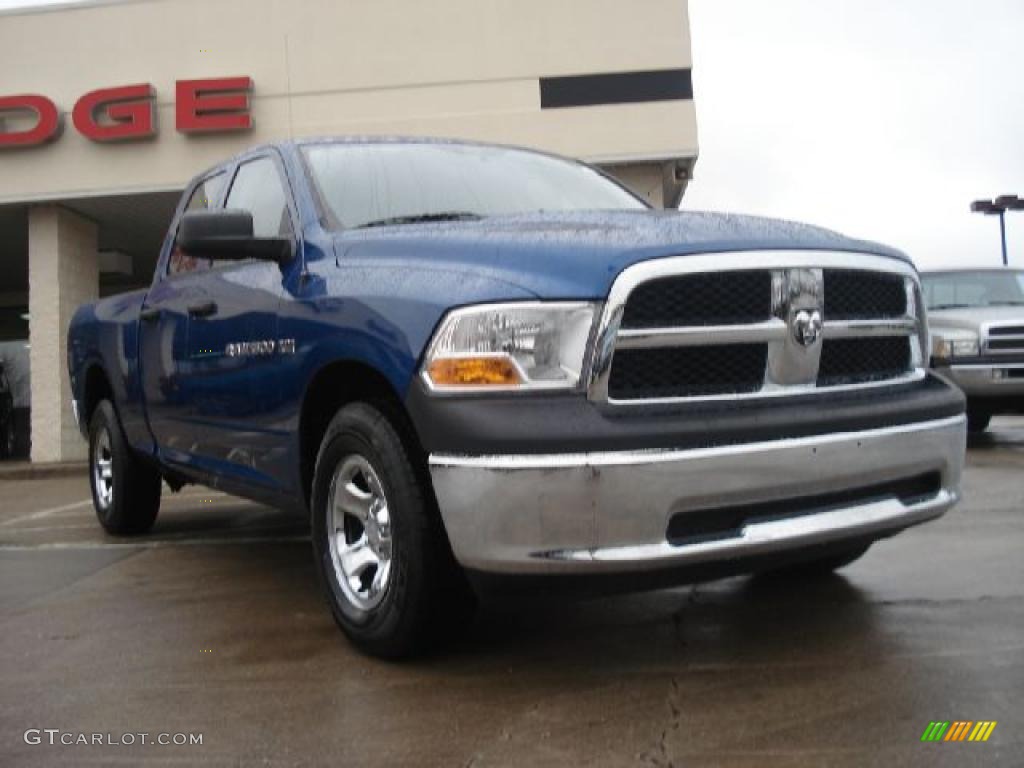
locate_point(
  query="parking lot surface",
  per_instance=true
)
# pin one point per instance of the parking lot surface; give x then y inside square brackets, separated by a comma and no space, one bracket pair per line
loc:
[214,625]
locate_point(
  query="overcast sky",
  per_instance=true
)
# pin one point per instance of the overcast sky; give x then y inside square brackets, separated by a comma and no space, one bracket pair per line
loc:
[880,118]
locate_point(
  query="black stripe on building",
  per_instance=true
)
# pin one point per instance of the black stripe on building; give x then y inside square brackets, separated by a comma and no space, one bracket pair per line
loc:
[615,88]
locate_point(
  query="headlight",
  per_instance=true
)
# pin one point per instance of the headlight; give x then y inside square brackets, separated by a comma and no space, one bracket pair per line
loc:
[520,346]
[963,347]
[958,346]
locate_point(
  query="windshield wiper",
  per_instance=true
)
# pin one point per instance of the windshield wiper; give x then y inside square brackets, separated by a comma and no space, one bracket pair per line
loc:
[950,306]
[423,217]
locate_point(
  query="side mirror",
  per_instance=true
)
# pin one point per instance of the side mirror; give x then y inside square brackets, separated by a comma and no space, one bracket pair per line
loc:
[227,236]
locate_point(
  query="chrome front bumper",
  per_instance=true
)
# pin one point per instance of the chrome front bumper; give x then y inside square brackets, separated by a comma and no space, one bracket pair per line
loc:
[989,379]
[608,512]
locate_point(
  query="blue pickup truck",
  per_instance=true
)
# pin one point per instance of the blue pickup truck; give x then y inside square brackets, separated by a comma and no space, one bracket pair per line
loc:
[473,366]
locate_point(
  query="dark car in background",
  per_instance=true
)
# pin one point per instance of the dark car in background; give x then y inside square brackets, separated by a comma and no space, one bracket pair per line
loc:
[7,434]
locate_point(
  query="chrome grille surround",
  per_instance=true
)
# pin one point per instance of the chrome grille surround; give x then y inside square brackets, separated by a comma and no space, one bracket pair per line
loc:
[797,288]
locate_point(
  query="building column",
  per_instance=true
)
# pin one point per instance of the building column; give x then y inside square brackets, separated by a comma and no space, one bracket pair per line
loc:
[644,179]
[661,184]
[63,272]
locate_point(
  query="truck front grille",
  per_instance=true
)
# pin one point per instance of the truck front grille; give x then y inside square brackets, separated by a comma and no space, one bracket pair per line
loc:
[688,371]
[1003,339]
[708,299]
[692,328]
[852,294]
[1007,330]
[855,361]
[1005,345]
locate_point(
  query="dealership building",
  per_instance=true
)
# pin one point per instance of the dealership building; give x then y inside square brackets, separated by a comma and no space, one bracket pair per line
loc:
[108,108]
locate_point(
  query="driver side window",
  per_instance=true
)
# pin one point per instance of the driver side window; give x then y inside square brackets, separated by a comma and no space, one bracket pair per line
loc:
[257,188]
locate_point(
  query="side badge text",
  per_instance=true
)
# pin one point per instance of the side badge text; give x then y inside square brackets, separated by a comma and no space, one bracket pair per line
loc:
[261,348]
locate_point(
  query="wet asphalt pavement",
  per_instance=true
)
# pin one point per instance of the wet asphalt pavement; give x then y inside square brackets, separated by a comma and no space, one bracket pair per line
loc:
[214,625]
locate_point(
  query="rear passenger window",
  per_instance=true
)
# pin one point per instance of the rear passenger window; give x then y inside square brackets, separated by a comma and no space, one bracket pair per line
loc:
[257,188]
[204,197]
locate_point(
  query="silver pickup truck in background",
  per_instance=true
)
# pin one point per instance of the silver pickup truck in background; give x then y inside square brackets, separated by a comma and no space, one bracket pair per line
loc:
[976,318]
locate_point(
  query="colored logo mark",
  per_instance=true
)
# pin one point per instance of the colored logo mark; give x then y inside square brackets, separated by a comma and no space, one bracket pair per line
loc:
[959,730]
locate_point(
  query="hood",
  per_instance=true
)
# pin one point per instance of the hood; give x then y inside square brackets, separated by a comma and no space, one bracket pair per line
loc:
[973,318]
[578,255]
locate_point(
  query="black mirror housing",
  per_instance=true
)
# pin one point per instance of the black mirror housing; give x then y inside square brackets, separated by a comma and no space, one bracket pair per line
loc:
[227,235]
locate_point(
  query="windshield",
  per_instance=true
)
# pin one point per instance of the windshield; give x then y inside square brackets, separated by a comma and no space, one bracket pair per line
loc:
[363,185]
[983,288]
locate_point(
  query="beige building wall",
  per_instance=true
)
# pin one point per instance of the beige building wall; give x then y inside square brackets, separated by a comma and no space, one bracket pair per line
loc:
[63,273]
[460,68]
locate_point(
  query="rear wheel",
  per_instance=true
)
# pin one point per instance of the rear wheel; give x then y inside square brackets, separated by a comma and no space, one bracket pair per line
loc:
[977,419]
[125,489]
[383,559]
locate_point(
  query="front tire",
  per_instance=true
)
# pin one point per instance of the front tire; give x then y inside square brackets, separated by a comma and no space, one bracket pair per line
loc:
[380,550]
[125,489]
[977,420]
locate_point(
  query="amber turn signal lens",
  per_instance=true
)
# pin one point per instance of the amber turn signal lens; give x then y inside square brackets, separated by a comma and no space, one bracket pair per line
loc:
[473,372]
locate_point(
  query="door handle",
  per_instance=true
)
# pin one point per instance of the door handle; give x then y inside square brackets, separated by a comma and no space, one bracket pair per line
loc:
[150,315]
[205,309]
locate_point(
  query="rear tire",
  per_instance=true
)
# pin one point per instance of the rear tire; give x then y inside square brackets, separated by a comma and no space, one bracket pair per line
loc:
[125,489]
[977,420]
[380,549]
[825,565]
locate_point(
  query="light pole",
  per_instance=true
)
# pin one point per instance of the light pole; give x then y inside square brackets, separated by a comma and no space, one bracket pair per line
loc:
[999,207]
